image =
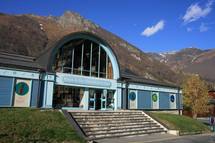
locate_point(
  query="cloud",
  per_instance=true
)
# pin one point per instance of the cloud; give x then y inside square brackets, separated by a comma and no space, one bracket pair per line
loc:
[194,12]
[203,28]
[149,31]
[189,29]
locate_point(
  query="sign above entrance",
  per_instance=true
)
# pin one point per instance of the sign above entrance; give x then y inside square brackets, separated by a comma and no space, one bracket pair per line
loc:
[86,81]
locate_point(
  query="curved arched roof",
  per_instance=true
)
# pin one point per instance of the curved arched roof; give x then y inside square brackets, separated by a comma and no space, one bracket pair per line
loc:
[88,36]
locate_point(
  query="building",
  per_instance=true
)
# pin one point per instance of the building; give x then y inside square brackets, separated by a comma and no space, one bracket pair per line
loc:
[81,72]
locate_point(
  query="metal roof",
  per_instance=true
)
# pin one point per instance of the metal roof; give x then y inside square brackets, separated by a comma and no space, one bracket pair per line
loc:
[137,79]
[18,61]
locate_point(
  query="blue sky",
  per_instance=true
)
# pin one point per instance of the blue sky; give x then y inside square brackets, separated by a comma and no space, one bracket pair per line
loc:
[151,25]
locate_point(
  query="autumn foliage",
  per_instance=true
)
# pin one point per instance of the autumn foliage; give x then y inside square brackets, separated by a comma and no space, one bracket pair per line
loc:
[195,95]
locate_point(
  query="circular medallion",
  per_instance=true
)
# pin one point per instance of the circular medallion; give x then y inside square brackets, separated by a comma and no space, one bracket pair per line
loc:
[154,97]
[132,96]
[172,98]
[22,88]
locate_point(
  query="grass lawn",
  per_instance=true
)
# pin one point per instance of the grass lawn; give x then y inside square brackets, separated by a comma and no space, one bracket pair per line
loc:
[182,123]
[34,125]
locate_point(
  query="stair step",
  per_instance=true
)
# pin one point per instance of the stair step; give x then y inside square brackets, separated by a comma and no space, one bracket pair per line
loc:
[121,131]
[126,134]
[106,113]
[120,127]
[111,122]
[108,119]
[115,125]
[105,116]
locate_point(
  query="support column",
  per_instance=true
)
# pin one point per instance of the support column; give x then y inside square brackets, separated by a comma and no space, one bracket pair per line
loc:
[86,98]
[115,100]
[119,98]
[104,100]
[48,91]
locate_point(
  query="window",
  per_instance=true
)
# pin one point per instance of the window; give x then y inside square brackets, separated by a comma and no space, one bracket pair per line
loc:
[77,58]
[95,59]
[86,58]
[67,58]
[103,64]
[83,57]
[65,96]
[110,99]
[58,64]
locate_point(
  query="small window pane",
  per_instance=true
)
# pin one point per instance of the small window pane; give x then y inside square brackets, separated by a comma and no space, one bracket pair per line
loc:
[95,52]
[77,58]
[86,58]
[102,63]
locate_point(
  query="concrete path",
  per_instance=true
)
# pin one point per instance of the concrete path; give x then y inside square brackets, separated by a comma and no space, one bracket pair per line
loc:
[208,138]
[162,138]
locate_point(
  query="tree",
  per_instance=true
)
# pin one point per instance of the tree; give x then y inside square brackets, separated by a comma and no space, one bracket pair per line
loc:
[195,95]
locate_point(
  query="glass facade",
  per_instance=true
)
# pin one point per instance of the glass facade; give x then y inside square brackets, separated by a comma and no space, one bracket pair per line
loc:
[110,99]
[83,57]
[65,96]
[75,97]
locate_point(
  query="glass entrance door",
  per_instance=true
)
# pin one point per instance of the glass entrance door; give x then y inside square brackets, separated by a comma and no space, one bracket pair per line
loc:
[110,100]
[96,100]
[101,99]
[104,100]
[92,100]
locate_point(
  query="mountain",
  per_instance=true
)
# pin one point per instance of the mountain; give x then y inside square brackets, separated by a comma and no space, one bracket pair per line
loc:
[190,60]
[34,35]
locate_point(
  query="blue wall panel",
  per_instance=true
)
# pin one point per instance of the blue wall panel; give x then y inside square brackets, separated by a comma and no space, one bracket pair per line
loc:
[124,98]
[164,100]
[34,93]
[144,100]
[6,91]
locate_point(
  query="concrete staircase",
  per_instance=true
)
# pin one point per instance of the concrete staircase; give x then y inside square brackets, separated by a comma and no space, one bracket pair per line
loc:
[104,124]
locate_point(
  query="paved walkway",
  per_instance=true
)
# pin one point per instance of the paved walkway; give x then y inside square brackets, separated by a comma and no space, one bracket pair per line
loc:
[162,138]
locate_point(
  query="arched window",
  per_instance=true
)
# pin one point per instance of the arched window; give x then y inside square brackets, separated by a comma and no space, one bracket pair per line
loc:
[83,57]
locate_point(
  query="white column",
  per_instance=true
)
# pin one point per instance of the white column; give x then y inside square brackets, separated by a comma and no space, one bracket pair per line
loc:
[115,100]
[86,99]
[48,91]
[48,94]
[119,98]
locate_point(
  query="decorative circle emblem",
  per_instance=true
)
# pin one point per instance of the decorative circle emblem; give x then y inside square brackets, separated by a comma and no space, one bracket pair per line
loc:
[172,98]
[22,88]
[154,97]
[132,96]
